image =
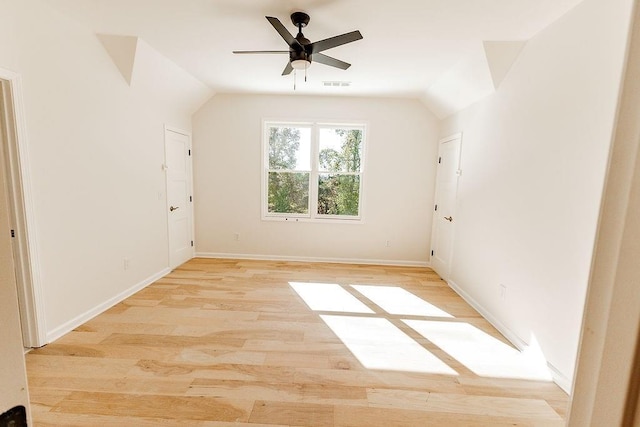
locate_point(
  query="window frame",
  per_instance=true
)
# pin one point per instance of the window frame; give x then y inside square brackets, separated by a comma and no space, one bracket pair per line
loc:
[314,172]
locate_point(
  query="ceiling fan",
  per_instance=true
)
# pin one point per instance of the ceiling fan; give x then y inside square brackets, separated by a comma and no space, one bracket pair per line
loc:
[301,50]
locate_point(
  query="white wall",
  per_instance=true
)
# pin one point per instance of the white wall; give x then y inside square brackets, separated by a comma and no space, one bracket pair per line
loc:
[401,149]
[533,159]
[96,147]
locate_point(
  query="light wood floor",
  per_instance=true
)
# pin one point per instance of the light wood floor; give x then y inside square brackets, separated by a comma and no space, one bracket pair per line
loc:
[231,343]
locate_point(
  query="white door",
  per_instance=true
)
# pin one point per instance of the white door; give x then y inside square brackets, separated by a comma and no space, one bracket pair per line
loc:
[179,199]
[444,209]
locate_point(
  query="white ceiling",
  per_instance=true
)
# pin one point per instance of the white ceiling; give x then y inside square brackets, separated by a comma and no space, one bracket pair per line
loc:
[408,45]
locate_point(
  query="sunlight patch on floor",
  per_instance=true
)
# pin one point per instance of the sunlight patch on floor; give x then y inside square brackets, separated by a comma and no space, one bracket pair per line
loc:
[480,352]
[329,297]
[395,300]
[378,344]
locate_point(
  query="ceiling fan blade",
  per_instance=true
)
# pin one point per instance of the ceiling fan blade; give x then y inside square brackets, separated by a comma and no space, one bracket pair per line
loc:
[332,42]
[284,33]
[327,60]
[288,69]
[244,52]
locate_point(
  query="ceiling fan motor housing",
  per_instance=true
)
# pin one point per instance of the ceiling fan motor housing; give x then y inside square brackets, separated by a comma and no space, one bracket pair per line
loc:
[300,51]
[298,55]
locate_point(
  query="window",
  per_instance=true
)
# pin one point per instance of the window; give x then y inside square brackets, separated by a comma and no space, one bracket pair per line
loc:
[312,170]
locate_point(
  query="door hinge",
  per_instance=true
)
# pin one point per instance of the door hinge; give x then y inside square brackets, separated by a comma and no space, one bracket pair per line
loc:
[191,198]
[436,209]
[13,233]
[192,243]
[431,253]
[189,152]
[439,160]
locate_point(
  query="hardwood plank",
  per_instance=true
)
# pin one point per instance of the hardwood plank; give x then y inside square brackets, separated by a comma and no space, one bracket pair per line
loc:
[356,416]
[155,406]
[47,385]
[54,419]
[82,420]
[295,414]
[461,404]
[398,399]
[55,366]
[280,392]
[297,360]
[493,406]
[254,330]
[43,400]
[219,340]
[311,348]
[379,379]
[81,337]
[506,387]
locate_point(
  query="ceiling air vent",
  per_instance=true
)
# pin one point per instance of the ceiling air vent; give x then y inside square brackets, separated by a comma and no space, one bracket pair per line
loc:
[336,84]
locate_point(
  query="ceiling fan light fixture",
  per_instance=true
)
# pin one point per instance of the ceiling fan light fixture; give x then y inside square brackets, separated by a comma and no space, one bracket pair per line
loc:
[300,64]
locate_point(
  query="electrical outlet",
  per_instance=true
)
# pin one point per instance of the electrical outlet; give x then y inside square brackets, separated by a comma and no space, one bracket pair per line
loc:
[126,263]
[236,236]
[387,243]
[503,291]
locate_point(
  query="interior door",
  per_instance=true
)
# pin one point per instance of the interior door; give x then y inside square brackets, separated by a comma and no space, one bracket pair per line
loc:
[179,208]
[445,203]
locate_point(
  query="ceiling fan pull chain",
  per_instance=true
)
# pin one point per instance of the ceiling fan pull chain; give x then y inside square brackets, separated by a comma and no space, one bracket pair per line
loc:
[294,79]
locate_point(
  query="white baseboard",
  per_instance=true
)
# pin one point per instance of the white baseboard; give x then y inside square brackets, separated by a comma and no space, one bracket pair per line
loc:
[558,377]
[85,317]
[258,257]
[501,327]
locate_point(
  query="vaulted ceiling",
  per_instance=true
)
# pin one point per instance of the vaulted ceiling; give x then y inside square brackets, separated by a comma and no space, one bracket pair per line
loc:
[448,53]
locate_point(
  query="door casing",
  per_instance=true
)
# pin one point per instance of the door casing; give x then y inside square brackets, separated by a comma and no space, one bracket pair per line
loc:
[21,210]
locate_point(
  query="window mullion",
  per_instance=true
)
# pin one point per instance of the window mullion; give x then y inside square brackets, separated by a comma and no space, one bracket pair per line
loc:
[313,177]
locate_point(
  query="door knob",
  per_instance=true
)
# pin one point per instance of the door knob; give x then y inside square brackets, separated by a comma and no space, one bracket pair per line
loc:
[448,218]
[174,209]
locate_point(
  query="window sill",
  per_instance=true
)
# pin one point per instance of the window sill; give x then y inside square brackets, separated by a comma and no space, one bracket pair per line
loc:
[328,220]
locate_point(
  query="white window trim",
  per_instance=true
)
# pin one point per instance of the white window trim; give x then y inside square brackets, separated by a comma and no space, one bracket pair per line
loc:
[315,171]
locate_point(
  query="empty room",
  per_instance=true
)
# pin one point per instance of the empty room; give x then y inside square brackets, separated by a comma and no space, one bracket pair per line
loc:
[319,213]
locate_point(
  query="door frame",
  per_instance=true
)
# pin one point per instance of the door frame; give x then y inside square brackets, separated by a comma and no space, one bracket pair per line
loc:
[22,213]
[186,133]
[445,274]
